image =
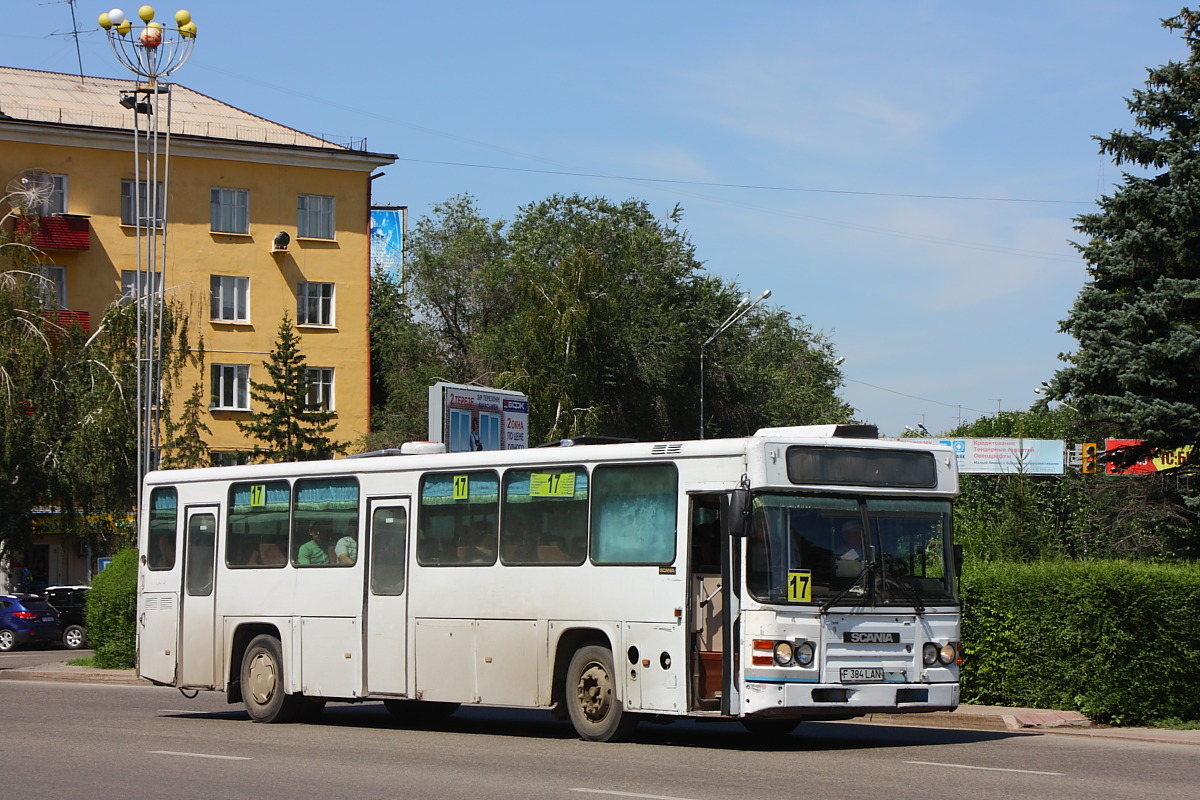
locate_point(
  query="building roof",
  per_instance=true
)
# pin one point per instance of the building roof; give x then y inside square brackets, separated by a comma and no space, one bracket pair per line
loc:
[57,98]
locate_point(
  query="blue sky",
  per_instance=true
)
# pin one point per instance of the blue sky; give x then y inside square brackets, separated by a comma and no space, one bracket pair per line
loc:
[825,151]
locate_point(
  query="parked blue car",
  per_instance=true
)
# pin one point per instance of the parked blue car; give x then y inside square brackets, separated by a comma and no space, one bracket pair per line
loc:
[27,618]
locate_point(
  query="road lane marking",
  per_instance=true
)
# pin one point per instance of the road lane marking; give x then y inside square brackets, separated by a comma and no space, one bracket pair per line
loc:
[200,755]
[988,769]
[630,794]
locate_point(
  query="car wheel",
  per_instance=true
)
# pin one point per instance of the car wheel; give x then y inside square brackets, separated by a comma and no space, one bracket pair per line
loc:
[74,637]
[7,640]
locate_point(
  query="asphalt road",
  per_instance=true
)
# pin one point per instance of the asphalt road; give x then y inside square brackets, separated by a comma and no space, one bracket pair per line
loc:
[62,740]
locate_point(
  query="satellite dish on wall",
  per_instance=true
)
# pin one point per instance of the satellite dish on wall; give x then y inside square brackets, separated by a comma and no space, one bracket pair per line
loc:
[280,243]
[28,191]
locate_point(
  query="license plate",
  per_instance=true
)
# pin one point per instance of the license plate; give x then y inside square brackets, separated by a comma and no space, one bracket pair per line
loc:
[860,674]
[47,619]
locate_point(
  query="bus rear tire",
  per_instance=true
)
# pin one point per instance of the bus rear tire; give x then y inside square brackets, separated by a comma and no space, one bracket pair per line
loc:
[591,698]
[263,683]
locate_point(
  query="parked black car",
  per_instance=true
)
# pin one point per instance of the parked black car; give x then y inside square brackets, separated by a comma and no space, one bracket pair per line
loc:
[70,602]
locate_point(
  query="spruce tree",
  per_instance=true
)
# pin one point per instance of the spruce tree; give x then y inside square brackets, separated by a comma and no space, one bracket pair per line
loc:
[287,426]
[1137,320]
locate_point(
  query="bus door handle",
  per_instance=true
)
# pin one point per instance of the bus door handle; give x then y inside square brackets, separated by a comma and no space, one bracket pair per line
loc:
[708,599]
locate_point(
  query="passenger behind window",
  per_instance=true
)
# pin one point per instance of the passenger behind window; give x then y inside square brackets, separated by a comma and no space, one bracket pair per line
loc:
[346,550]
[480,546]
[313,551]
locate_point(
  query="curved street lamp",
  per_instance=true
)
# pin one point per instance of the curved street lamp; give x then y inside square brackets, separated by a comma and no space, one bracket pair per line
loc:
[743,308]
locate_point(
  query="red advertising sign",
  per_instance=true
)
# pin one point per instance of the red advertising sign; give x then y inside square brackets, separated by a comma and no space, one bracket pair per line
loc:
[1155,461]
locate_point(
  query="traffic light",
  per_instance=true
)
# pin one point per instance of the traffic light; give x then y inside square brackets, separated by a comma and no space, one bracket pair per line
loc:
[1088,465]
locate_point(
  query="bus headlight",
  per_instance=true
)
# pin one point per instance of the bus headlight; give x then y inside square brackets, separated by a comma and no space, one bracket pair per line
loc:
[783,654]
[929,654]
[948,653]
[804,653]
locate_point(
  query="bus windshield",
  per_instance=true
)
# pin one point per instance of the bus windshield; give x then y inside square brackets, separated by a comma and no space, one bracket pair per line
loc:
[809,549]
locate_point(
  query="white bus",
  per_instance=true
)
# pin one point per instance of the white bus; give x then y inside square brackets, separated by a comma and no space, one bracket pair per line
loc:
[800,573]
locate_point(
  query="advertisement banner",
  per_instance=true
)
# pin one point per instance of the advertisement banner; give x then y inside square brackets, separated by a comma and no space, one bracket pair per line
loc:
[387,240]
[467,418]
[995,456]
[1154,461]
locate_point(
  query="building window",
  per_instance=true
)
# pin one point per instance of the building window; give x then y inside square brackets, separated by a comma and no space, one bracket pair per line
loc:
[314,303]
[133,208]
[229,210]
[57,202]
[230,298]
[52,285]
[314,216]
[320,388]
[151,283]
[231,387]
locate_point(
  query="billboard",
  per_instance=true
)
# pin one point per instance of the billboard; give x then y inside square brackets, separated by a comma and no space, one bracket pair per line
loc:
[466,418]
[996,456]
[1154,461]
[387,239]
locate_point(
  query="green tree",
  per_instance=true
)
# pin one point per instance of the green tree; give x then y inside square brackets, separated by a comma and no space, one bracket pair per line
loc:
[289,427]
[596,310]
[1137,319]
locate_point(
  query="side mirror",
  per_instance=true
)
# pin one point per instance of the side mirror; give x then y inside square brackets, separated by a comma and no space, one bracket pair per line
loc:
[958,559]
[737,513]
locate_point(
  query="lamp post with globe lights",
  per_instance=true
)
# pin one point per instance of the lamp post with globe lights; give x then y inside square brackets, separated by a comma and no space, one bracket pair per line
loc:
[151,51]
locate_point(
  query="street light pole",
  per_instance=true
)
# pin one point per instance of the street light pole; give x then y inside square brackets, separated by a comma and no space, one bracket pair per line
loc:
[743,308]
[151,51]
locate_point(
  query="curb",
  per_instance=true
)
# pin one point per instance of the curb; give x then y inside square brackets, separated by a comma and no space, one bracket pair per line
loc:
[126,677]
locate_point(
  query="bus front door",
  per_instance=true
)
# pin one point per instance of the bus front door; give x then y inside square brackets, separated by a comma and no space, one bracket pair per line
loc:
[197,640]
[385,615]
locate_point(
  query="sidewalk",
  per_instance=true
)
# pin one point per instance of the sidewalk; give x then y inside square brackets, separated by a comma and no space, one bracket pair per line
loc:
[976,718]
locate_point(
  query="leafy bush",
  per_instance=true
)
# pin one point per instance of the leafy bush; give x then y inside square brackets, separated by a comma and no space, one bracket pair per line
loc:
[112,612]
[1116,641]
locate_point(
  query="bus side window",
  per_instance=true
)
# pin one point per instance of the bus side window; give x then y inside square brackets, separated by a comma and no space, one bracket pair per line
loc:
[163,526]
[257,524]
[325,509]
[458,520]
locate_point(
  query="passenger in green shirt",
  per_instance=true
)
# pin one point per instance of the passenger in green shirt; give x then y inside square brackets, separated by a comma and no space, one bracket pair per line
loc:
[311,552]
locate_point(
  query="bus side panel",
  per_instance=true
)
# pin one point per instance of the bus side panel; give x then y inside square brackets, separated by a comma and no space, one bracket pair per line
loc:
[330,657]
[508,653]
[444,659]
[653,662]
[158,636]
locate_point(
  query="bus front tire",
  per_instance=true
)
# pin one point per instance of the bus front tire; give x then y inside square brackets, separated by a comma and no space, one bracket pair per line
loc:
[263,683]
[591,697]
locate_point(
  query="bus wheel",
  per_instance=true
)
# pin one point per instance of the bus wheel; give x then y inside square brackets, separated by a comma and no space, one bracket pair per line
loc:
[262,683]
[592,702]
[419,712]
[770,727]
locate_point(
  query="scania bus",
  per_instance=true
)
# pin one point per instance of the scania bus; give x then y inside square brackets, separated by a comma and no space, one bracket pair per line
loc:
[803,573]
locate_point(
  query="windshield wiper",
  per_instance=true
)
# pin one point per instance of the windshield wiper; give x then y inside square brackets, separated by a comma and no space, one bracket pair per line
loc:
[909,591]
[868,570]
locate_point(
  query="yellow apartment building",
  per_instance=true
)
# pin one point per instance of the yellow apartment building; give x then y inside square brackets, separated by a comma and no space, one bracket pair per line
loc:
[236,182]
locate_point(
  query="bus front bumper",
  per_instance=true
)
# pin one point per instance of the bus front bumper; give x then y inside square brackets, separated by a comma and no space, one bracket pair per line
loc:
[776,698]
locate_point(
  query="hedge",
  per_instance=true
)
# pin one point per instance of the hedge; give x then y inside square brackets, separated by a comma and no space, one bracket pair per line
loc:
[1117,641]
[112,610]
